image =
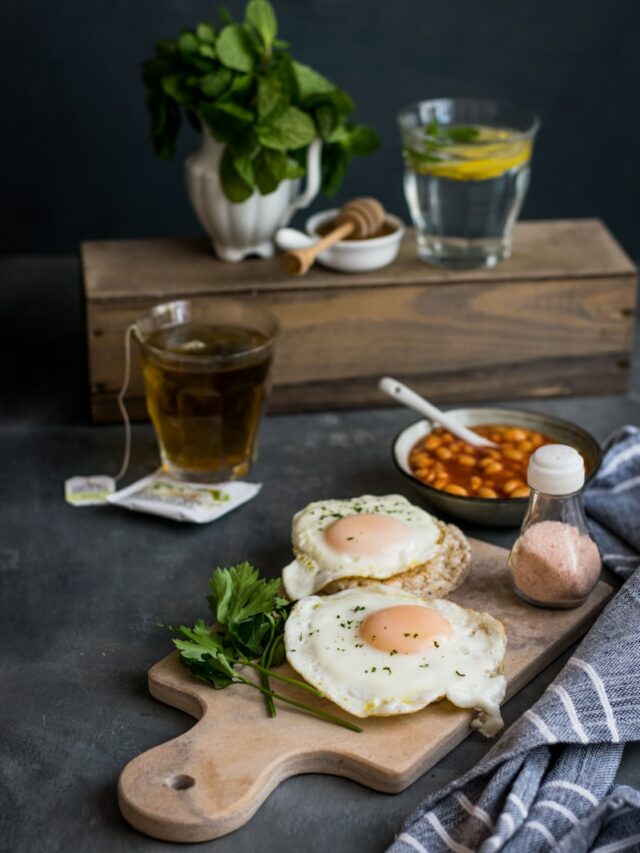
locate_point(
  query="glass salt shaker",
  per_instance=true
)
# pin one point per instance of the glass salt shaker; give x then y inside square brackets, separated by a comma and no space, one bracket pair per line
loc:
[555,562]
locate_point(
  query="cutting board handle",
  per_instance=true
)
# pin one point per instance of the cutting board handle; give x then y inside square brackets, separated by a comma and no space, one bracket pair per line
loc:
[170,793]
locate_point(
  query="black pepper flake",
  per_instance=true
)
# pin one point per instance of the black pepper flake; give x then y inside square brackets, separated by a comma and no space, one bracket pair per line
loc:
[436,644]
[461,674]
[387,668]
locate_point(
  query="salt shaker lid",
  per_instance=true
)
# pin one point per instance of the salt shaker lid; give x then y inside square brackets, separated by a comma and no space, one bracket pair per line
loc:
[556,469]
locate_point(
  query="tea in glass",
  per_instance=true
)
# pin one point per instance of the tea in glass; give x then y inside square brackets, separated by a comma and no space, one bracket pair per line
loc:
[206,372]
[467,167]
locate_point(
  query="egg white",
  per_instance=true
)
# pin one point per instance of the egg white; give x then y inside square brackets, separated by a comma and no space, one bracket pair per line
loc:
[317,564]
[323,644]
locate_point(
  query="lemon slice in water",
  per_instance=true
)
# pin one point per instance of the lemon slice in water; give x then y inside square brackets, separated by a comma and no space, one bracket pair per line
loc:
[492,153]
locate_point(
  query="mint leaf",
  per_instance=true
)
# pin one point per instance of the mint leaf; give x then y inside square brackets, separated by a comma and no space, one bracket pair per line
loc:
[293,129]
[175,86]
[325,117]
[309,82]
[460,133]
[272,96]
[235,49]
[362,140]
[235,188]
[205,32]
[335,159]
[212,85]
[260,14]
[188,43]
[243,164]
[235,110]
[207,50]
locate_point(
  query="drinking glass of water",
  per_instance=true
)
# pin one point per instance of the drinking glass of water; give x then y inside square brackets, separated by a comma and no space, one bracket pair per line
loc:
[467,166]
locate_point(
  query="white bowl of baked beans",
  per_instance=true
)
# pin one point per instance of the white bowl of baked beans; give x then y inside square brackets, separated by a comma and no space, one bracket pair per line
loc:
[485,485]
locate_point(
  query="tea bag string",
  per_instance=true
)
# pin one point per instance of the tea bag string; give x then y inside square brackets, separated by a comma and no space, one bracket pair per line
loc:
[121,404]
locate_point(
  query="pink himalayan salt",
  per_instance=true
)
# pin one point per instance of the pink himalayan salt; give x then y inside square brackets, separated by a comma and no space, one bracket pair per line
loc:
[554,562]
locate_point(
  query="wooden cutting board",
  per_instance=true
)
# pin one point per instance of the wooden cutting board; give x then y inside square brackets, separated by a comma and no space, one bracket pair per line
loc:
[212,779]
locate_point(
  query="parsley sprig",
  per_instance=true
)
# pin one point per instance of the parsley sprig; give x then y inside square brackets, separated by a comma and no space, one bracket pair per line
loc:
[248,631]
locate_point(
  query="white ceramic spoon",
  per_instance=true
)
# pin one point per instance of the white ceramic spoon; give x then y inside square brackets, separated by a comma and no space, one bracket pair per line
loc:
[409,398]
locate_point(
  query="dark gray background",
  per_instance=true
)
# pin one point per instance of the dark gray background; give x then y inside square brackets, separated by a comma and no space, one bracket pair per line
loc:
[76,162]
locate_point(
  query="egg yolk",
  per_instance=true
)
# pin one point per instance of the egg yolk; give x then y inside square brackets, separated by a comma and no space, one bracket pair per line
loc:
[366,534]
[406,629]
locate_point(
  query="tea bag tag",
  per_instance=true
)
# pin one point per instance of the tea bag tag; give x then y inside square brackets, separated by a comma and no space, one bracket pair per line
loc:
[92,490]
[159,494]
[88,491]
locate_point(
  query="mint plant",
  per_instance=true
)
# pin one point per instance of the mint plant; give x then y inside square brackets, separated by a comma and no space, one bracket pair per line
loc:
[245,87]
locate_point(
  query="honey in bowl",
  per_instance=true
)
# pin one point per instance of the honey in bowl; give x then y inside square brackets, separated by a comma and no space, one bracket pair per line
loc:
[443,461]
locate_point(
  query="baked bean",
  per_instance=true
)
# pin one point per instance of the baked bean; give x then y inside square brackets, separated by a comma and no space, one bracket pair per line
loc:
[510,453]
[466,460]
[444,453]
[475,482]
[525,446]
[485,492]
[440,483]
[521,492]
[510,485]
[432,442]
[452,489]
[515,434]
[493,468]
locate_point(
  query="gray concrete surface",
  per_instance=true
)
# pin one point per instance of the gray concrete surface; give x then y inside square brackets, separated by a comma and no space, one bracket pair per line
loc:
[81,592]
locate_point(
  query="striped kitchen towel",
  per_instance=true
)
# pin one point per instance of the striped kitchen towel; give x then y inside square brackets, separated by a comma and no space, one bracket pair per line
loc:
[548,783]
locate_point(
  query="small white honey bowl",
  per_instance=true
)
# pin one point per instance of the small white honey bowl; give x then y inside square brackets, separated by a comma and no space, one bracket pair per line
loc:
[373,253]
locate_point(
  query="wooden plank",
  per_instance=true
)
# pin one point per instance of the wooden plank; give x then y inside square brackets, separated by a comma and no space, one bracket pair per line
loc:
[212,779]
[542,378]
[466,341]
[556,318]
[125,270]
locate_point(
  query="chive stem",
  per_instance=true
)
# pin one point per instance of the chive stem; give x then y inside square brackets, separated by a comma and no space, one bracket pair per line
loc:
[294,681]
[307,708]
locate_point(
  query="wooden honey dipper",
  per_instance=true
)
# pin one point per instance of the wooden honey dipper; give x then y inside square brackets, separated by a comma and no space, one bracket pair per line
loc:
[360,218]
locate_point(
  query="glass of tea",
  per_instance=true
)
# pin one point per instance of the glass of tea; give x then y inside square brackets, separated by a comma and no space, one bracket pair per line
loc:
[467,167]
[206,370]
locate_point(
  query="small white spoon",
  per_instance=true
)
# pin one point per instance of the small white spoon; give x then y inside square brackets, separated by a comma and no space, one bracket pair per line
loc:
[414,401]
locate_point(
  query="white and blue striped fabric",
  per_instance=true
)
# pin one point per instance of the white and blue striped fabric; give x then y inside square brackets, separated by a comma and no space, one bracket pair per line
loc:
[548,782]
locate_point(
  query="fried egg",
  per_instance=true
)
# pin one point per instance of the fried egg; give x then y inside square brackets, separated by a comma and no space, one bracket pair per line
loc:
[372,537]
[379,652]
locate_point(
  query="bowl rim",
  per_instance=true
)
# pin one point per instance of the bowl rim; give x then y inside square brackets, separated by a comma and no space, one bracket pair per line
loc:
[474,499]
[356,245]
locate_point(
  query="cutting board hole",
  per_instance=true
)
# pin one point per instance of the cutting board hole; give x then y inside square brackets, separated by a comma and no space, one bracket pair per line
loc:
[180,782]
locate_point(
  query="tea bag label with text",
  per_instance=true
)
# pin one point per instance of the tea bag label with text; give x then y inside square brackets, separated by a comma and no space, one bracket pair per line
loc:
[161,495]
[88,491]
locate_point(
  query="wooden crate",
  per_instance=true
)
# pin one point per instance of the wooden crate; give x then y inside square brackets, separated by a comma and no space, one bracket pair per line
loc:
[555,319]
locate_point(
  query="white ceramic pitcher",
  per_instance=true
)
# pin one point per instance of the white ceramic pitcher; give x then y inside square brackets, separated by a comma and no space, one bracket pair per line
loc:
[248,228]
